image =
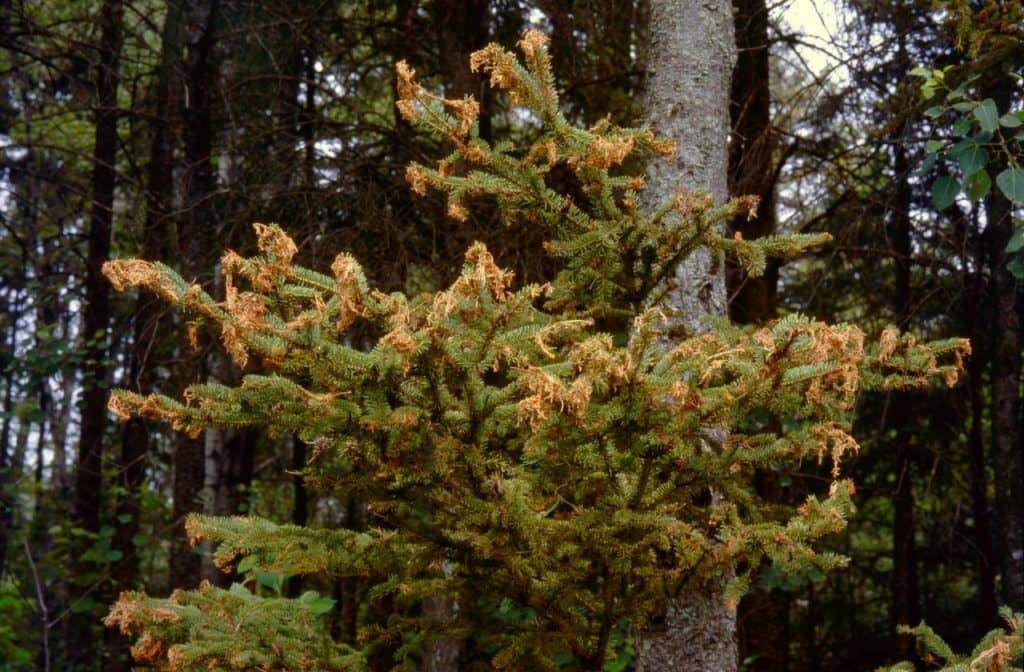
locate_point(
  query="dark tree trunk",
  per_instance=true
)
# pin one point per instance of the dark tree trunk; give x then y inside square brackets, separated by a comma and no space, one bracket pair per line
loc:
[463,30]
[987,617]
[229,466]
[197,238]
[300,501]
[752,170]
[7,498]
[296,448]
[763,616]
[1007,451]
[88,480]
[905,608]
[157,232]
[88,476]
[1006,406]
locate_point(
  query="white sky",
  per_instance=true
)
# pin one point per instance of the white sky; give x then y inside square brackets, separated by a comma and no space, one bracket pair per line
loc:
[818,24]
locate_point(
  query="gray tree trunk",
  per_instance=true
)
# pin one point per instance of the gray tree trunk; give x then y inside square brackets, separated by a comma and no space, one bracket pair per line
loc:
[689,69]
[686,98]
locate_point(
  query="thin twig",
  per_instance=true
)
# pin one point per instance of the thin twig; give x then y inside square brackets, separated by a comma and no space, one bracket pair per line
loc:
[42,607]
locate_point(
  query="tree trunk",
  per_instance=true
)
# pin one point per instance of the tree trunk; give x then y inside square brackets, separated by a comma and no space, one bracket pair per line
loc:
[763,617]
[88,480]
[229,466]
[197,238]
[7,477]
[752,169]
[905,607]
[980,511]
[1007,451]
[689,68]
[1006,406]
[143,359]
[88,477]
[463,30]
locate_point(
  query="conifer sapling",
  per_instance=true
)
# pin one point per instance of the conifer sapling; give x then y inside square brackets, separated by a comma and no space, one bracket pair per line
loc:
[535,453]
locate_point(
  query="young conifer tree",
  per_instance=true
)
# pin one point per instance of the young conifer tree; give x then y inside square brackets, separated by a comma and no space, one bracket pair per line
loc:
[536,454]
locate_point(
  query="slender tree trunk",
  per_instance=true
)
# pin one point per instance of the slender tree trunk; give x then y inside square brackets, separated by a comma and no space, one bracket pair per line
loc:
[905,607]
[296,451]
[144,355]
[230,460]
[689,67]
[82,648]
[88,480]
[763,616]
[752,169]
[197,236]
[156,233]
[1006,406]
[7,498]
[1007,450]
[463,30]
[976,456]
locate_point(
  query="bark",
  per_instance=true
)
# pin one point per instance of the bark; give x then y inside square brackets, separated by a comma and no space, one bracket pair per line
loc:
[88,476]
[905,606]
[88,480]
[690,60]
[752,159]
[157,230]
[686,98]
[1006,406]
[7,498]
[300,501]
[980,509]
[1007,451]
[463,30]
[197,236]
[763,616]
[229,468]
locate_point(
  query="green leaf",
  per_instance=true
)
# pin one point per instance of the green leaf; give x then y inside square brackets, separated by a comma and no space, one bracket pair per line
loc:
[944,191]
[124,518]
[272,581]
[972,159]
[245,564]
[1016,267]
[978,185]
[927,164]
[934,111]
[1011,183]
[921,71]
[987,115]
[1016,240]
[964,107]
[933,146]
[1010,121]
[318,605]
[962,126]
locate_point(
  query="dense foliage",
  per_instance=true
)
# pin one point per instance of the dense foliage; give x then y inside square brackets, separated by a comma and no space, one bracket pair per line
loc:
[511,454]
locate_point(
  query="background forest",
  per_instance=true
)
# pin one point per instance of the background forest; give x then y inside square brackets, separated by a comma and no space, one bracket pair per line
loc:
[162,130]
